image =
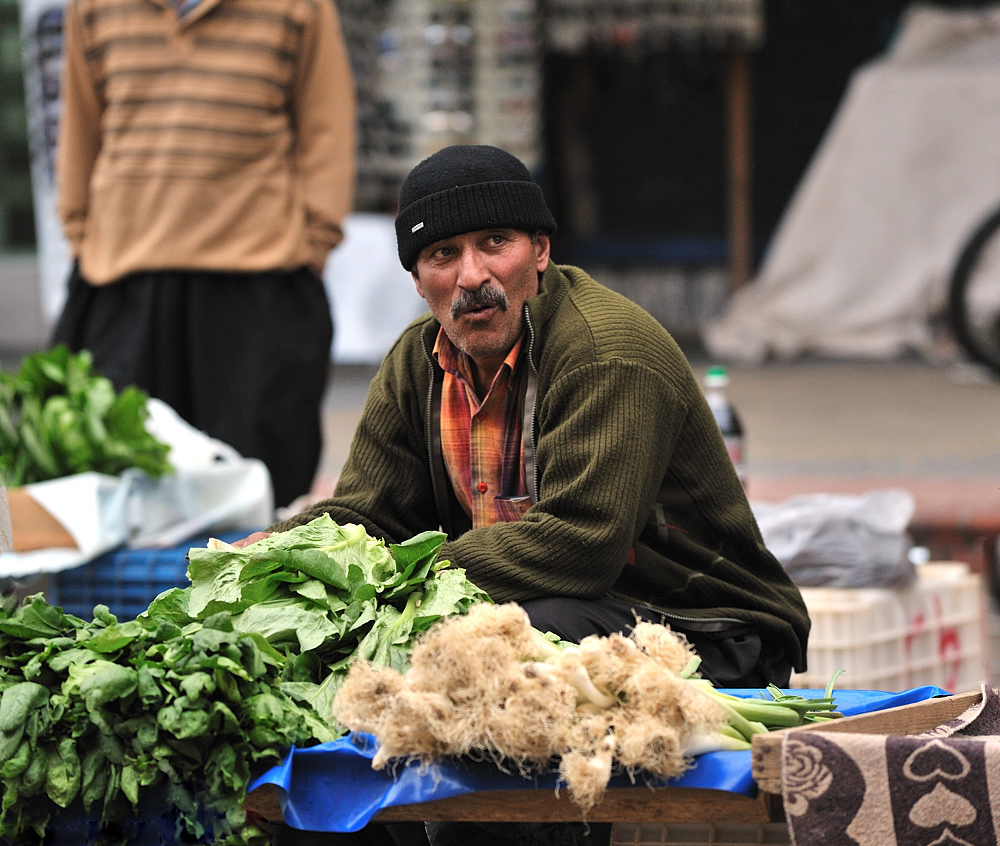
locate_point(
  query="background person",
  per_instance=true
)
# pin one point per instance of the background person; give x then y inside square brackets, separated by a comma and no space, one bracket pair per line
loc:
[206,161]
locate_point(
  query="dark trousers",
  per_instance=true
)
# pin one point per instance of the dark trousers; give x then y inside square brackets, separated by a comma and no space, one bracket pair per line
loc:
[733,656]
[243,357]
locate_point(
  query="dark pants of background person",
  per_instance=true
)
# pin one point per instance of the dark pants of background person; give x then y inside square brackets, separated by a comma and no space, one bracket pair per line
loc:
[735,657]
[243,357]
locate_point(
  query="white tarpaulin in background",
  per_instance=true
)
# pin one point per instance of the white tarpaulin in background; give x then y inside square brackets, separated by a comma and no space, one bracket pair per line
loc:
[909,166]
[373,297]
[41,37]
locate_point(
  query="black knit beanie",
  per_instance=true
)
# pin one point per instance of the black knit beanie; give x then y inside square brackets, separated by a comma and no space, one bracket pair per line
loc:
[465,188]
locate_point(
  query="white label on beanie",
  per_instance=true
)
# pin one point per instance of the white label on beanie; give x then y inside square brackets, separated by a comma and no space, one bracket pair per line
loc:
[418,226]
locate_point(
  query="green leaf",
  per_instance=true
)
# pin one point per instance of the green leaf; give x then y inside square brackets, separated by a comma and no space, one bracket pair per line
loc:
[447,592]
[288,621]
[169,607]
[197,686]
[101,682]
[62,779]
[130,784]
[215,579]
[59,418]
[17,702]
[33,778]
[415,557]
[18,762]
[94,777]
[36,618]
[116,637]
[182,722]
[312,589]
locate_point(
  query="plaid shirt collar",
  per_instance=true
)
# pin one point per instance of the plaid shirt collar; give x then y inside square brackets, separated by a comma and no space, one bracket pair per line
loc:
[481,440]
[458,364]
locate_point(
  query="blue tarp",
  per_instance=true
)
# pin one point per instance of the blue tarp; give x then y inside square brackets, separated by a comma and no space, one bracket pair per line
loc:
[332,787]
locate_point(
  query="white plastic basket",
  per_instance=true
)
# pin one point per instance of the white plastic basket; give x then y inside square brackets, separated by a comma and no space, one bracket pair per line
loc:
[931,632]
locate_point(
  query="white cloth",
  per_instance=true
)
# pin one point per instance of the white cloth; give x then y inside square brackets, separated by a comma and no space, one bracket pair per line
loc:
[908,167]
[6,534]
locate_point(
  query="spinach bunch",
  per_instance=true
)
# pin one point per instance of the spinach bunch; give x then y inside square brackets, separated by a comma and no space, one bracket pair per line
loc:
[58,418]
[326,595]
[178,708]
[100,716]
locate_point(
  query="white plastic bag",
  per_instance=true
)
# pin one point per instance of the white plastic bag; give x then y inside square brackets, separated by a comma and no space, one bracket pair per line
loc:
[6,534]
[213,488]
[841,540]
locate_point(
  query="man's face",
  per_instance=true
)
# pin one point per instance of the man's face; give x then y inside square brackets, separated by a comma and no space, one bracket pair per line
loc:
[476,284]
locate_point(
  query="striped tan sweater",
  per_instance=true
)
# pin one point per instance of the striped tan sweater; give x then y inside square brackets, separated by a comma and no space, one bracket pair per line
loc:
[223,140]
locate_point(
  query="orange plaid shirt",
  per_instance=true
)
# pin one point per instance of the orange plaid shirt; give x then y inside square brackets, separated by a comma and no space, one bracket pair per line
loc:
[481,441]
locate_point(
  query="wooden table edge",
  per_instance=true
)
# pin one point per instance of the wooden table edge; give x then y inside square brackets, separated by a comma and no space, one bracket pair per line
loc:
[624,804]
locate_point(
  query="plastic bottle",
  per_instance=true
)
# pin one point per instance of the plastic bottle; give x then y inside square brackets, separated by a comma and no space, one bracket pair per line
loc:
[716,382]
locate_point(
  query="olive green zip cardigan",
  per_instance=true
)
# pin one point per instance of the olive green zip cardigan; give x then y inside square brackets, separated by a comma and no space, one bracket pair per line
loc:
[634,493]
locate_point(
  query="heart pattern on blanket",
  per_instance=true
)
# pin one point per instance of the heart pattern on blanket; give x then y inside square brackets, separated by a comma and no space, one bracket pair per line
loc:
[936,760]
[925,790]
[941,806]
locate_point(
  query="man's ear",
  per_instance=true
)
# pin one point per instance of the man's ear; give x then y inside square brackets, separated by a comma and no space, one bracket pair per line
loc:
[416,281]
[543,245]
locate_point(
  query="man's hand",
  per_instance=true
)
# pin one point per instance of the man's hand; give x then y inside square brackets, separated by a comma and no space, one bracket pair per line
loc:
[249,539]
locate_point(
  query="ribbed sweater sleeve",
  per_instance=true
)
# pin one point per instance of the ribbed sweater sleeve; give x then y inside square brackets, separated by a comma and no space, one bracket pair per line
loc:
[324,111]
[385,484]
[79,130]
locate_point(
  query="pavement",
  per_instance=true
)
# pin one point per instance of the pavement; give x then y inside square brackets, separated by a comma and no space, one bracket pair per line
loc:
[932,428]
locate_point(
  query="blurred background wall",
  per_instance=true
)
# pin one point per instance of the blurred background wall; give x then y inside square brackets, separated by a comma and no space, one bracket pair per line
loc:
[623,109]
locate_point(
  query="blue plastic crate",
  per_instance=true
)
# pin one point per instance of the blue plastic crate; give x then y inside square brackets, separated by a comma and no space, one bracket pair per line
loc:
[126,580]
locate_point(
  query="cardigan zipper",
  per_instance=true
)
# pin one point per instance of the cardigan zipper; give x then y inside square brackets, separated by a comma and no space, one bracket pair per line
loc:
[534,405]
[714,623]
[440,498]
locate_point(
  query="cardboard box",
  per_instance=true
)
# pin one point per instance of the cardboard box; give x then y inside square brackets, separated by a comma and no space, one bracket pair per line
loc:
[34,527]
[901,720]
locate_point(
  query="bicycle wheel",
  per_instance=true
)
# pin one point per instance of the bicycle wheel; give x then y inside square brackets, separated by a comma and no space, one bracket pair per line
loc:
[974,294]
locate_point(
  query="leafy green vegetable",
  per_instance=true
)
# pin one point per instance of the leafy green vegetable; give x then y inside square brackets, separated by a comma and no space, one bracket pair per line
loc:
[158,716]
[326,588]
[182,705]
[58,418]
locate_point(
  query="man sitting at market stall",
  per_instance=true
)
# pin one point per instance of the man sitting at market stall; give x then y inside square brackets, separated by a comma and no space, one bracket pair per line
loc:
[556,432]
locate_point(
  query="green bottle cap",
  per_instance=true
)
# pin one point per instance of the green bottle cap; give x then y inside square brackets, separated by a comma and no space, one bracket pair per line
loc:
[716,377]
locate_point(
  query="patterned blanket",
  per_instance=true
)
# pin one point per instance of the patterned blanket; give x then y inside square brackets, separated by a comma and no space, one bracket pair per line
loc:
[940,788]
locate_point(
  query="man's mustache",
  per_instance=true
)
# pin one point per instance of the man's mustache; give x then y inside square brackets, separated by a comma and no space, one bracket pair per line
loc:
[480,298]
